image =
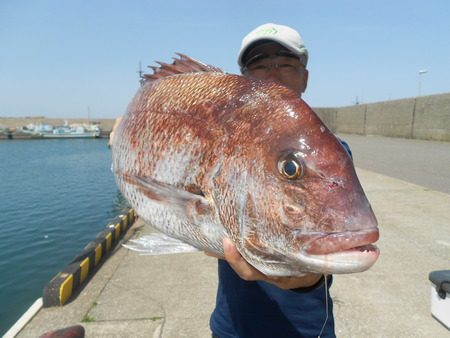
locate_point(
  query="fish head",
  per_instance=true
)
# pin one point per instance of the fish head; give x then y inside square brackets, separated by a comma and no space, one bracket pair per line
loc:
[301,205]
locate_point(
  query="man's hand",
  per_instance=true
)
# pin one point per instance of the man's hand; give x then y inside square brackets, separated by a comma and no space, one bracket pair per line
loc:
[249,273]
[111,134]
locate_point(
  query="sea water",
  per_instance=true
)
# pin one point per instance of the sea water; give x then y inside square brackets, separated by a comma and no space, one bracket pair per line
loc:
[55,196]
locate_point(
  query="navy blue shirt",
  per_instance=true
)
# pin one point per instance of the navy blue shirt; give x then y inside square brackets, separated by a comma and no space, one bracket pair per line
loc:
[259,309]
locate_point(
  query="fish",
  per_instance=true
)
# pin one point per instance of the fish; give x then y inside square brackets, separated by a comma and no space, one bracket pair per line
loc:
[202,155]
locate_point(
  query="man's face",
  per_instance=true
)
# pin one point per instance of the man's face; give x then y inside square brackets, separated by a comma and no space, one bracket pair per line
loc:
[271,61]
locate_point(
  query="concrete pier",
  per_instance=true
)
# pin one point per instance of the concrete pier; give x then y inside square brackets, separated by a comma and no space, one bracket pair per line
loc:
[173,295]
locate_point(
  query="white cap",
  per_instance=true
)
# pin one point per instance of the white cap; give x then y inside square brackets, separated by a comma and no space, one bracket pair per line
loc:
[284,35]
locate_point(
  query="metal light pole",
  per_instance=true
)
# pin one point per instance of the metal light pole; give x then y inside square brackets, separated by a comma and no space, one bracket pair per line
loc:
[421,72]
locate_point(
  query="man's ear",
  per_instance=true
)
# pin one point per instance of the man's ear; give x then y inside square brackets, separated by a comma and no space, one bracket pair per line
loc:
[305,80]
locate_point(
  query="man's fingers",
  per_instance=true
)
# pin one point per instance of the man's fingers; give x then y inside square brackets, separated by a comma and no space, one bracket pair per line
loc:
[249,273]
[231,253]
[239,264]
[213,254]
[111,134]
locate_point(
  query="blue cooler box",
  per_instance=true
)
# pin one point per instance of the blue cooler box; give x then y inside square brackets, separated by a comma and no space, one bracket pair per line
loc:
[440,296]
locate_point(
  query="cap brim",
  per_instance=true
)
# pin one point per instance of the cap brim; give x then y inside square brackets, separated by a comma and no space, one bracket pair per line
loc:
[257,42]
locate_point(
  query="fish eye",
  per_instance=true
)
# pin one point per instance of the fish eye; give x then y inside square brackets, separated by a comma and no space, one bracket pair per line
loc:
[290,168]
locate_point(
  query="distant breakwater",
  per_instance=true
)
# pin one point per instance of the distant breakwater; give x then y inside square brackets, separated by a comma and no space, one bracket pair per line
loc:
[10,126]
[18,135]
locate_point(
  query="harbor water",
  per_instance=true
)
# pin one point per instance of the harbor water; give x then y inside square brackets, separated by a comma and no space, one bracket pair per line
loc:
[55,196]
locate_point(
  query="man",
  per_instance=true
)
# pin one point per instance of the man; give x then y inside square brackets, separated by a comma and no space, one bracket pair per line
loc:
[250,304]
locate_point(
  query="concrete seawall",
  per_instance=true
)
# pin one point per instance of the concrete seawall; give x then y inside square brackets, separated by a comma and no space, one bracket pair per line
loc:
[425,117]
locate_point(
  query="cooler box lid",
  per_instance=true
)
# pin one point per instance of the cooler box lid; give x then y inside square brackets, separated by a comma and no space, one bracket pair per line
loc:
[441,279]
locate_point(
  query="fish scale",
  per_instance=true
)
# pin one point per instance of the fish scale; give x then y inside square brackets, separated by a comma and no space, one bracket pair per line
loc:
[202,155]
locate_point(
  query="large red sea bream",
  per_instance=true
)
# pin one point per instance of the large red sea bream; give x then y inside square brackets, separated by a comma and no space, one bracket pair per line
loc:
[202,155]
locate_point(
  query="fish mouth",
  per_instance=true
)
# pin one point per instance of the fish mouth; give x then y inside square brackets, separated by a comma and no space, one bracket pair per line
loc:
[360,241]
[346,252]
[334,253]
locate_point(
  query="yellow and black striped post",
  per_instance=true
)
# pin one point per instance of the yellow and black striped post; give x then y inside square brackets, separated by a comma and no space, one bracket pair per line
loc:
[73,276]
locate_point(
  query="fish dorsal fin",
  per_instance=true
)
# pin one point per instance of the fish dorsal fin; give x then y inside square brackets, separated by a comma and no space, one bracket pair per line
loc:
[181,65]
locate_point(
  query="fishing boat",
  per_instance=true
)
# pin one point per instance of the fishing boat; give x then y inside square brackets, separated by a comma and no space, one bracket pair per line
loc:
[65,131]
[72,132]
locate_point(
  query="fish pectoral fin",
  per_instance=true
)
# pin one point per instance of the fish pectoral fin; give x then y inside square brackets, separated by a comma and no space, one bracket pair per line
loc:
[189,199]
[158,244]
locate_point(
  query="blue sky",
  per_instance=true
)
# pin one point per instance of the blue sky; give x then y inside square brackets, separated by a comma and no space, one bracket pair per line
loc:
[57,58]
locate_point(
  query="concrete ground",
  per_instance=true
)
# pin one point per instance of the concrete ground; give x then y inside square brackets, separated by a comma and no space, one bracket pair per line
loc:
[426,163]
[392,299]
[173,295]
[139,296]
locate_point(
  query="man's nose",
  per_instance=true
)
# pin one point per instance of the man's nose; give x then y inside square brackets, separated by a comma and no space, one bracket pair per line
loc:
[273,74]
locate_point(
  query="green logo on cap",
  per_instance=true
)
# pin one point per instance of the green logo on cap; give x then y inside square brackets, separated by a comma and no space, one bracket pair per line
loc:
[267,31]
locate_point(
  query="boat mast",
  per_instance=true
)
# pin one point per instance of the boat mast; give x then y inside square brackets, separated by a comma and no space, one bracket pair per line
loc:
[141,73]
